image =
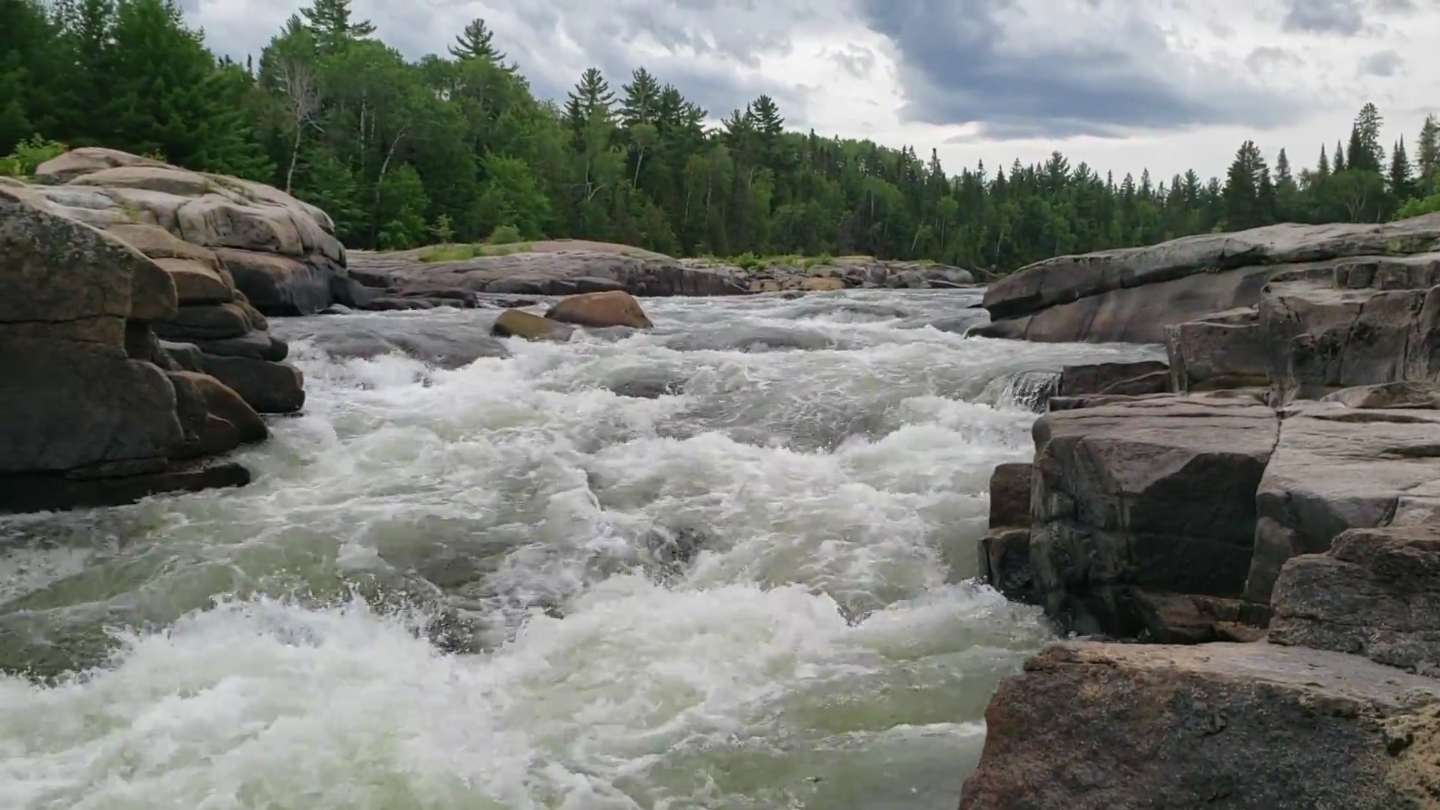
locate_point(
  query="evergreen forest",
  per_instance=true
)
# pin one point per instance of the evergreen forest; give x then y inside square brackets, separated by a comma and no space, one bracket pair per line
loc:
[455,147]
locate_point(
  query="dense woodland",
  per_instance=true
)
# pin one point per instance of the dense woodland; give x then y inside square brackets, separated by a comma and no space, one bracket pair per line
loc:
[454,146]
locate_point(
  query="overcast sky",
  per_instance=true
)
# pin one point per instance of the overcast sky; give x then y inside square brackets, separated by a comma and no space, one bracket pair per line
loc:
[1121,84]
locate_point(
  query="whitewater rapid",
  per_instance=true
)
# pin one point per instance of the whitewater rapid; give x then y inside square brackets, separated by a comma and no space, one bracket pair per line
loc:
[501,584]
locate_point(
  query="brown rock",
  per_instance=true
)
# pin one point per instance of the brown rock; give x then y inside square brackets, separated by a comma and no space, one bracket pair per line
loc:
[518,323]
[1155,493]
[1010,495]
[69,405]
[266,387]
[206,433]
[1337,468]
[195,283]
[600,310]
[822,284]
[1240,726]
[1376,593]
[205,322]
[53,269]
[222,401]
[1127,379]
[278,285]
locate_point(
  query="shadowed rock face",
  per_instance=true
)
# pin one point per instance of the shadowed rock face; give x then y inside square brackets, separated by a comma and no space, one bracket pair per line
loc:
[90,418]
[1243,726]
[1131,295]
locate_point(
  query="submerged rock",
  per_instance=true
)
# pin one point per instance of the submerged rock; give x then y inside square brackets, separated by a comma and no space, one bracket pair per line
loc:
[527,325]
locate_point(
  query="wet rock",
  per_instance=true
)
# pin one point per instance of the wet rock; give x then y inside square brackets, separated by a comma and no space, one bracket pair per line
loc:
[1129,379]
[186,356]
[1153,493]
[1375,593]
[277,284]
[521,324]
[1005,548]
[645,383]
[599,310]
[1133,294]
[1243,726]
[35,492]
[1337,468]
[1010,494]
[224,402]
[443,345]
[267,387]
[255,345]
[206,433]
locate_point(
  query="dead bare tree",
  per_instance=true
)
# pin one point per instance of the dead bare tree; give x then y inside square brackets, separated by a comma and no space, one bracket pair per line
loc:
[300,89]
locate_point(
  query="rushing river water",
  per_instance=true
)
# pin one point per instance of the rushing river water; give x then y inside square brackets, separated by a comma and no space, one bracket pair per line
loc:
[504,585]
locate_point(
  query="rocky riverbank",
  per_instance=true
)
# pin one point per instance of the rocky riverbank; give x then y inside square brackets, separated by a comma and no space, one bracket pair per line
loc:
[134,357]
[1265,513]
[414,280]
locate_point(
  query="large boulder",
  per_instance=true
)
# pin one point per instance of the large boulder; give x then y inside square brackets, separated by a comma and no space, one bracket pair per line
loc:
[284,251]
[1150,495]
[1238,726]
[90,416]
[599,310]
[1131,295]
[1376,593]
[1336,468]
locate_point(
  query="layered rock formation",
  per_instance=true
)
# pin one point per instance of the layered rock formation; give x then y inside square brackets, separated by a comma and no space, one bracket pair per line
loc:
[1132,295]
[94,412]
[209,234]
[279,252]
[1272,499]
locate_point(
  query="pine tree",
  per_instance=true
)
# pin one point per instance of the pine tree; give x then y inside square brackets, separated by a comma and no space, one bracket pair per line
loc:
[1365,153]
[1339,158]
[475,42]
[331,24]
[1400,181]
[1427,160]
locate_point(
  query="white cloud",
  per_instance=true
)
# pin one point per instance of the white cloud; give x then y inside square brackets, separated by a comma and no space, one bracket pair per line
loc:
[1165,84]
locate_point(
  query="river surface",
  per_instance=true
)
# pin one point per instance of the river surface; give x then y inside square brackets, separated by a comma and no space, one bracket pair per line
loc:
[504,585]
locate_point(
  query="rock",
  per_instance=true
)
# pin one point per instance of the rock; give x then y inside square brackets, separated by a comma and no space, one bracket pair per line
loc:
[1154,493]
[214,322]
[822,284]
[222,401]
[1223,350]
[518,323]
[1337,468]
[69,405]
[1388,395]
[279,285]
[645,383]
[54,269]
[1005,549]
[266,387]
[557,267]
[254,345]
[186,356]
[599,310]
[197,284]
[32,492]
[1242,726]
[1133,294]
[85,160]
[1010,495]
[1375,593]
[1129,379]
[1321,340]
[206,433]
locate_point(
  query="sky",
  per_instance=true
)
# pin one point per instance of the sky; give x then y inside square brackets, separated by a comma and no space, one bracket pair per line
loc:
[1123,85]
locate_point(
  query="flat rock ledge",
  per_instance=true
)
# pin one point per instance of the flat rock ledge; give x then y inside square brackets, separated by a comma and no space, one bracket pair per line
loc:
[133,360]
[1243,543]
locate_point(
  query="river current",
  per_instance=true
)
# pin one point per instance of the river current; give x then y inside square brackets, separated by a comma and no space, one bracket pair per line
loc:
[502,584]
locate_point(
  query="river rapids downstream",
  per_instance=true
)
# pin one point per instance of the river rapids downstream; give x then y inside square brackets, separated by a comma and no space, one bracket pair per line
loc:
[513,583]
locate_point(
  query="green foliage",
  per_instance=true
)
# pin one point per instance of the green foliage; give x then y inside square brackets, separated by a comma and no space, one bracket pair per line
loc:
[28,155]
[455,148]
[505,235]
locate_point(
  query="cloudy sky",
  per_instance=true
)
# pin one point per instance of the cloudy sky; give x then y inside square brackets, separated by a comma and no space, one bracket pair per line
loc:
[1121,84]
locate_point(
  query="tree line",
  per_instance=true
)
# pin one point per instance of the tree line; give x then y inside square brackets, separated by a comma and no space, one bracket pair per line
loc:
[453,146]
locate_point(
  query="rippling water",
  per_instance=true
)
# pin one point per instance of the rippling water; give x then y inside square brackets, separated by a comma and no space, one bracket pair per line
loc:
[505,585]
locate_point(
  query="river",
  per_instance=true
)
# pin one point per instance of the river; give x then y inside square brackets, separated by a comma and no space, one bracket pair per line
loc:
[504,585]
